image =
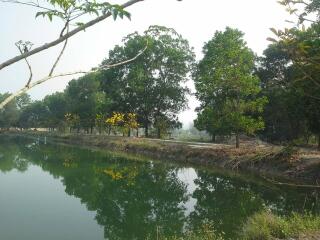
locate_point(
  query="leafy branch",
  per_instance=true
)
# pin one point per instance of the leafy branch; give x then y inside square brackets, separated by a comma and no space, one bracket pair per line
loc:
[102,13]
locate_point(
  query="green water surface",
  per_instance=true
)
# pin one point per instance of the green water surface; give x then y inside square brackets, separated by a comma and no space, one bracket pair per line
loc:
[55,192]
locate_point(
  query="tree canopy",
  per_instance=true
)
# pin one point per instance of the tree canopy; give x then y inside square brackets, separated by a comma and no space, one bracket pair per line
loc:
[227,87]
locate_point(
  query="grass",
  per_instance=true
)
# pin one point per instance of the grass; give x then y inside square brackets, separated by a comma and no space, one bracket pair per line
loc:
[265,225]
[206,232]
[262,226]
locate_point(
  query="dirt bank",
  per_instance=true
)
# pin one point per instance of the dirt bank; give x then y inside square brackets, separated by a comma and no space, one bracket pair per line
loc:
[265,159]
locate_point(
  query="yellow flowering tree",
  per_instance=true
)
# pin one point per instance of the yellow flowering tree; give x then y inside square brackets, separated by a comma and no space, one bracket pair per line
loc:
[123,122]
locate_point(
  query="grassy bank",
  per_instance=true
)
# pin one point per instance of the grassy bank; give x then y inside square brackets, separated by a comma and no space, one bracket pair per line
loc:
[264,226]
[263,159]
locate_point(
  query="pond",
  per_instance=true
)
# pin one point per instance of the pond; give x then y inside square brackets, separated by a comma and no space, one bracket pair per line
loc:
[51,191]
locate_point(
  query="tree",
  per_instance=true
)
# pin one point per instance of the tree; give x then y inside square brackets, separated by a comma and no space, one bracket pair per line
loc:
[123,122]
[57,108]
[226,86]
[151,86]
[210,121]
[10,114]
[34,115]
[85,99]
[282,114]
[165,125]
[301,45]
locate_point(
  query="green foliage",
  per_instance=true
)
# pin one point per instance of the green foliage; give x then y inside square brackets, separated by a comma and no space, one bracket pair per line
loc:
[152,85]
[85,99]
[70,10]
[34,115]
[165,125]
[265,226]
[9,116]
[290,81]
[227,88]
[57,108]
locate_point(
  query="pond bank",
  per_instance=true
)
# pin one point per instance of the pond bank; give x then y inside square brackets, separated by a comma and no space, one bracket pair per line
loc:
[302,165]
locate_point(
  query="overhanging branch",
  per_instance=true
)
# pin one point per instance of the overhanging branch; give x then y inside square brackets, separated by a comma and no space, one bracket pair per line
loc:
[31,85]
[64,37]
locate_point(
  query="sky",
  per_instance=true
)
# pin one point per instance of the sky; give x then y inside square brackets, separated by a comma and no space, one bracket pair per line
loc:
[195,20]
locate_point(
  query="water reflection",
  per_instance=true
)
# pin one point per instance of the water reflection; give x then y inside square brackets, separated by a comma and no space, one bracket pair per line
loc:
[135,199]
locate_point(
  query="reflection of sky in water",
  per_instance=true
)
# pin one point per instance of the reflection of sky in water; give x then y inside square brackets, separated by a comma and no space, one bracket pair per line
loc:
[188,175]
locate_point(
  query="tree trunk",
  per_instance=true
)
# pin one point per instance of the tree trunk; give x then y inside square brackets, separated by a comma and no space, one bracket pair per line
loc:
[129,132]
[137,132]
[159,133]
[146,131]
[237,140]
[213,138]
[319,141]
[91,129]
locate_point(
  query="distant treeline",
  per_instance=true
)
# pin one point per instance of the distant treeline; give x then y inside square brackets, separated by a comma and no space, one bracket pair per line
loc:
[276,96]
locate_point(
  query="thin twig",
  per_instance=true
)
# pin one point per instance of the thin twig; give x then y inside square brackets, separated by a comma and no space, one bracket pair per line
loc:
[64,37]
[31,4]
[29,66]
[65,27]
[61,52]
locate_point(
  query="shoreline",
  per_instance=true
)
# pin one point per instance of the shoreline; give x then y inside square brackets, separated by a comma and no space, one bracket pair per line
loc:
[266,161]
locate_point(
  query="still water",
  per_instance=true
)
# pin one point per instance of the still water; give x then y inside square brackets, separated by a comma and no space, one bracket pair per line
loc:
[52,191]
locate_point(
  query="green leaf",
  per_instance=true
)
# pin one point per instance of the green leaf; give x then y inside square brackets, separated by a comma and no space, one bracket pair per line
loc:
[114,14]
[127,14]
[274,31]
[272,40]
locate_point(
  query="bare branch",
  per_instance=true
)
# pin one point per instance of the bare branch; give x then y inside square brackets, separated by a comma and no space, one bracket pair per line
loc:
[62,50]
[66,27]
[108,66]
[31,85]
[29,66]
[30,70]
[64,37]
[31,4]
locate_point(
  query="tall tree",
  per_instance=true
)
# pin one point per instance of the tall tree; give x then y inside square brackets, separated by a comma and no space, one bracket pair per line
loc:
[226,85]
[153,85]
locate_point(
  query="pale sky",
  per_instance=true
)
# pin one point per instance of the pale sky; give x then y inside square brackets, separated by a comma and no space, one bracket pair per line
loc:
[196,20]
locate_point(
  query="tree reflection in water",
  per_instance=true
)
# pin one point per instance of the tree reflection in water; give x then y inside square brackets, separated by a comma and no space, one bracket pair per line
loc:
[134,199]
